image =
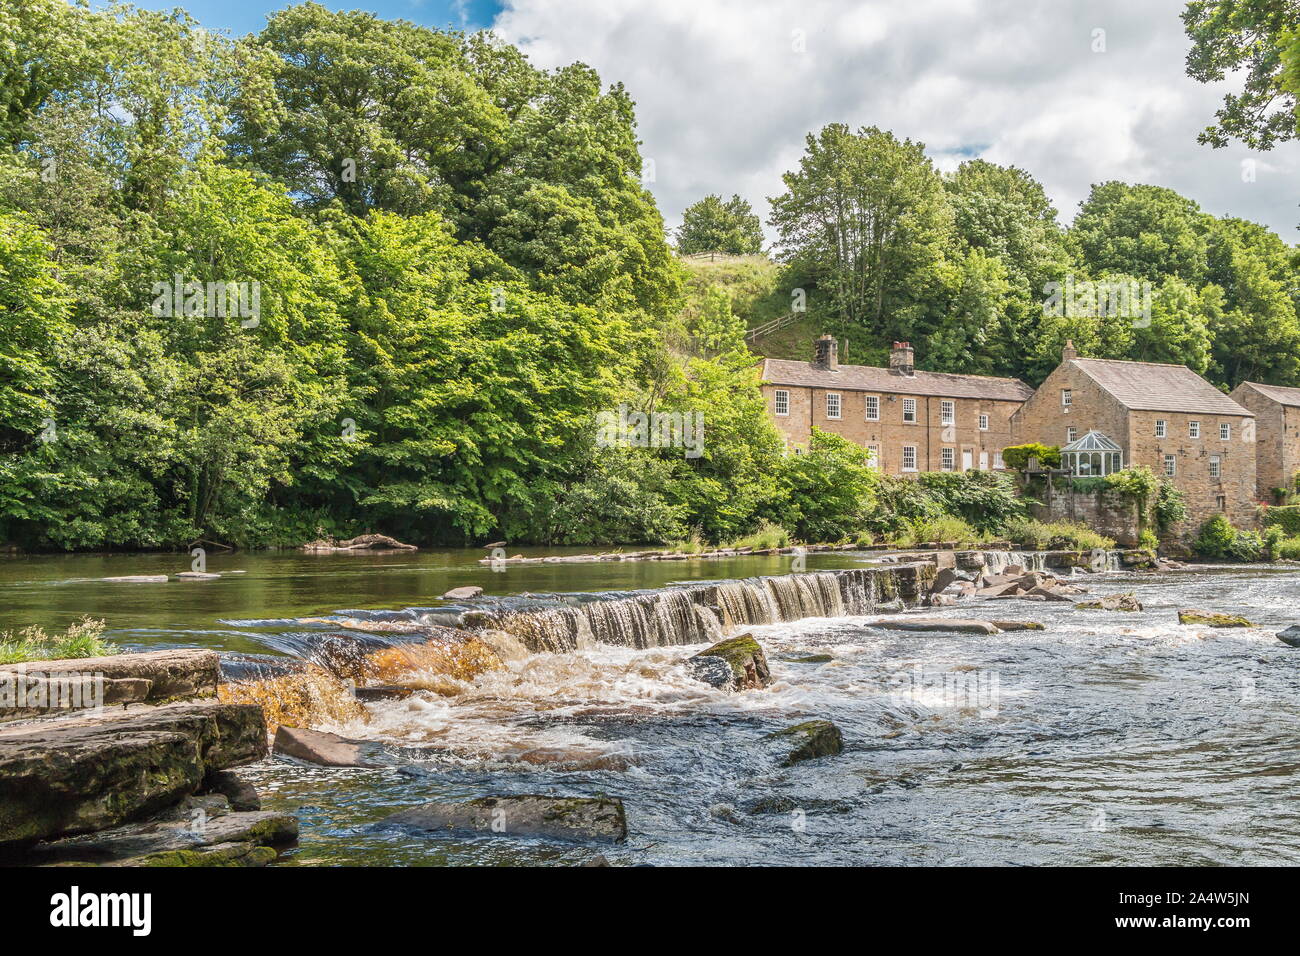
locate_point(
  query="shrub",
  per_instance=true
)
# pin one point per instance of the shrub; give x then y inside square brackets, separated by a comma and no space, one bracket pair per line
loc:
[1045,536]
[985,500]
[1017,457]
[82,639]
[828,491]
[945,528]
[1147,539]
[1170,507]
[1218,540]
[1289,549]
[1273,538]
[1286,517]
[768,535]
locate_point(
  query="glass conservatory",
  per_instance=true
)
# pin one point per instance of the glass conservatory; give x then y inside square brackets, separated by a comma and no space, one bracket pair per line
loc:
[1093,454]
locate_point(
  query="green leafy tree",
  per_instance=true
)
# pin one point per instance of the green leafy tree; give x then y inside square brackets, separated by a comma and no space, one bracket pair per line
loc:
[1148,232]
[827,492]
[712,225]
[1260,41]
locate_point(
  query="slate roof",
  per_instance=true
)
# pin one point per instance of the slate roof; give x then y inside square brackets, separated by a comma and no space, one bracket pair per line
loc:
[868,378]
[1279,394]
[1146,386]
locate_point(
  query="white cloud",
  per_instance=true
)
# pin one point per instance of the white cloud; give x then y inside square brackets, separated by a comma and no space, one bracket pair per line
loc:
[725,99]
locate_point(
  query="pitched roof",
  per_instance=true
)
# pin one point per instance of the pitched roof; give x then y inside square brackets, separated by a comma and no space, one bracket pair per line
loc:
[1279,394]
[868,378]
[1093,441]
[1146,386]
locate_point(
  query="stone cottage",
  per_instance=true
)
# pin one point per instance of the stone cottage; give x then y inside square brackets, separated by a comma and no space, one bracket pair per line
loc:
[1277,434]
[912,420]
[1163,416]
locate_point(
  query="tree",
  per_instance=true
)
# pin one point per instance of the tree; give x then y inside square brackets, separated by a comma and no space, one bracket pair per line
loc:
[712,225]
[1257,38]
[866,217]
[1144,231]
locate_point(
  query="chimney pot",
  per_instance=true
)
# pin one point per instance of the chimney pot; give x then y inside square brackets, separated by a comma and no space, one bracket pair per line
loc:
[902,359]
[1069,352]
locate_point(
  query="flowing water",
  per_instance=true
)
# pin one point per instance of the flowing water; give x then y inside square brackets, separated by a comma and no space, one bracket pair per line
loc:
[1107,738]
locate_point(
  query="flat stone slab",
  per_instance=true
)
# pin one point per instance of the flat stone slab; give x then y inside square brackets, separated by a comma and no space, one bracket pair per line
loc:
[564,818]
[82,774]
[1017,625]
[198,576]
[1212,618]
[936,624]
[139,579]
[154,677]
[197,832]
[463,593]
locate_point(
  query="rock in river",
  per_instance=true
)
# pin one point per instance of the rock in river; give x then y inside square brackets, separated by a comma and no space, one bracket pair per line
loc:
[326,749]
[1212,618]
[812,738]
[564,818]
[936,624]
[738,663]
[1112,602]
[1290,636]
[463,593]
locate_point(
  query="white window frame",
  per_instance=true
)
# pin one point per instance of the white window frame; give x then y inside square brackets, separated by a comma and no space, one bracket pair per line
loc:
[1071,434]
[870,404]
[997,460]
[1067,398]
[906,449]
[839,405]
[876,462]
[1216,466]
[782,397]
[947,412]
[948,458]
[1171,466]
[1193,429]
[984,423]
[1225,431]
[1162,428]
[909,404]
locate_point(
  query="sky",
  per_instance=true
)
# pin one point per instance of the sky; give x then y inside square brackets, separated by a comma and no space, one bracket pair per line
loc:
[1075,92]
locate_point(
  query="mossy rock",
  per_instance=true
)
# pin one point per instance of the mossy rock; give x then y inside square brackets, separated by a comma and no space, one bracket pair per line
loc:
[1212,619]
[811,739]
[738,663]
[810,659]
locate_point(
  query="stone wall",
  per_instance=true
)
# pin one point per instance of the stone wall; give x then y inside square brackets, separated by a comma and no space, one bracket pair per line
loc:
[1277,441]
[1104,513]
[890,434]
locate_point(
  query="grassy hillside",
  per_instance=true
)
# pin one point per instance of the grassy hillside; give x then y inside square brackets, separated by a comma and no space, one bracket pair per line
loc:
[759,292]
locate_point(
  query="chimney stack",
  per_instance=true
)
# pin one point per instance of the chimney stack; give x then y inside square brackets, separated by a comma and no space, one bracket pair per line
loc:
[1069,352]
[902,359]
[827,353]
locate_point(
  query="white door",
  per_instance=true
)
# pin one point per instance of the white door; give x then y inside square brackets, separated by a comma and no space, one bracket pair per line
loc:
[984,461]
[967,459]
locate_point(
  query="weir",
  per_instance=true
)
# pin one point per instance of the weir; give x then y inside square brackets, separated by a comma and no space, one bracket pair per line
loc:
[696,614]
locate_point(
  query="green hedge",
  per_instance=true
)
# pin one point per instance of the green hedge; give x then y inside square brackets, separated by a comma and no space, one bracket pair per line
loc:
[1017,456]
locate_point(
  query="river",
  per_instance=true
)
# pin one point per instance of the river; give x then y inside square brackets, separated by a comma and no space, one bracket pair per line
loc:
[1107,738]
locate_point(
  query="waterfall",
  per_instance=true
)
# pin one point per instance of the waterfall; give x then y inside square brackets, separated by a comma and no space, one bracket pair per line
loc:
[703,613]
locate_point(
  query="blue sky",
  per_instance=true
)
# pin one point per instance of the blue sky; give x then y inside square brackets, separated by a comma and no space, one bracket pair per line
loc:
[248,16]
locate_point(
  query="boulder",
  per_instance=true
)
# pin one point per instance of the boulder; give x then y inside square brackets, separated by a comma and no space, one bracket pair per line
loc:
[744,660]
[86,773]
[530,815]
[944,579]
[937,624]
[809,659]
[971,560]
[1212,619]
[328,750]
[999,590]
[1139,558]
[241,794]
[1048,594]
[1290,636]
[1017,625]
[941,600]
[1112,602]
[813,738]
[463,593]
